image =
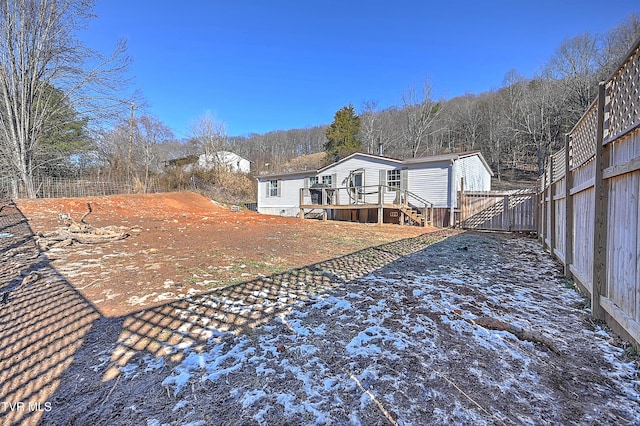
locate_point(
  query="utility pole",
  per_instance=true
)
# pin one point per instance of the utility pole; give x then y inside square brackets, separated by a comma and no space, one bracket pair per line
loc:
[131,122]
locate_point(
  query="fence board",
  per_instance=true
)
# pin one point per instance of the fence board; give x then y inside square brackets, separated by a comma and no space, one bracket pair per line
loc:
[603,200]
[623,258]
[558,206]
[499,210]
[583,219]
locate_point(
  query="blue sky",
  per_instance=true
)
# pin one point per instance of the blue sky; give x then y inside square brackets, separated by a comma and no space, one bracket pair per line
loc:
[282,64]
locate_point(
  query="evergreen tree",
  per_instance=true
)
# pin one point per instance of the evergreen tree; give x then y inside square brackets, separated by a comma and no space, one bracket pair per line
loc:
[63,136]
[342,134]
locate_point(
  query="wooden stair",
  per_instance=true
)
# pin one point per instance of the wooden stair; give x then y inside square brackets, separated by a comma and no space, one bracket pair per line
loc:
[414,215]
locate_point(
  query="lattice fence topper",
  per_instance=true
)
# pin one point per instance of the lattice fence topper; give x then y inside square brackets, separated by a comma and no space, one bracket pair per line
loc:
[623,92]
[582,144]
[558,165]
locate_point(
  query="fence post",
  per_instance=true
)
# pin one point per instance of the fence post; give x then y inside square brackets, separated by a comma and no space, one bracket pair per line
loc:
[463,202]
[568,212]
[505,213]
[541,217]
[599,285]
[552,209]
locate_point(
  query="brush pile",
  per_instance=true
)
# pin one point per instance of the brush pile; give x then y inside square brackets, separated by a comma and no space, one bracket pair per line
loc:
[79,233]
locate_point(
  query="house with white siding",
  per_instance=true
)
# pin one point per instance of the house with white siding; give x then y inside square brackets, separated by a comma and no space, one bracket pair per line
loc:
[227,160]
[371,188]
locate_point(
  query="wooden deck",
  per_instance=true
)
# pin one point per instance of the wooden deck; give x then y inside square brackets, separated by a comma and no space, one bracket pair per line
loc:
[387,203]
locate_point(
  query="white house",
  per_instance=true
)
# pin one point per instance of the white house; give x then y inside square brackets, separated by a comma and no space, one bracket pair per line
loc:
[233,162]
[371,188]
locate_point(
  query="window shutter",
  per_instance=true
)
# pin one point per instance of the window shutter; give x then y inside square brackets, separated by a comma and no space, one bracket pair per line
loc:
[383,178]
[306,186]
[279,188]
[334,180]
[268,188]
[404,179]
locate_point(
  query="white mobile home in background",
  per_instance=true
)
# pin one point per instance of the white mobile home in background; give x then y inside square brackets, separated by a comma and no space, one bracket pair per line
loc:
[229,160]
[371,188]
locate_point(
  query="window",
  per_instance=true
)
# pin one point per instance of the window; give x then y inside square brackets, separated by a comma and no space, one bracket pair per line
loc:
[313,180]
[327,180]
[393,179]
[273,190]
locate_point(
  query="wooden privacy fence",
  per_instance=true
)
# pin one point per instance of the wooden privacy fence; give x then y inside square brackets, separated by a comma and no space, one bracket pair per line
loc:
[589,200]
[499,210]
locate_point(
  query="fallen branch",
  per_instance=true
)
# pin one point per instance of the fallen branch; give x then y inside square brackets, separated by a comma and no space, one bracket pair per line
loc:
[463,393]
[111,391]
[81,233]
[520,333]
[86,214]
[375,400]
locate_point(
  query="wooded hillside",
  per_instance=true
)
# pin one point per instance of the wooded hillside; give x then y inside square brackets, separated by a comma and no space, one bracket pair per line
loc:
[52,125]
[515,126]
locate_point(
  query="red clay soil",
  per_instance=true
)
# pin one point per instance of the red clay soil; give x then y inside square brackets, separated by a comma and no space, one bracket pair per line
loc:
[181,244]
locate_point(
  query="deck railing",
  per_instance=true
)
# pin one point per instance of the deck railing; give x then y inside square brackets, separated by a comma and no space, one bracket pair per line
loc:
[358,197]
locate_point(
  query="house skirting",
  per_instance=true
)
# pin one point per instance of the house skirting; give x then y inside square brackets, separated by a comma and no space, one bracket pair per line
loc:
[369,214]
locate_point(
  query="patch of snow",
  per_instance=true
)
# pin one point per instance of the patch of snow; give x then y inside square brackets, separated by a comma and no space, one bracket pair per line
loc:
[288,402]
[179,405]
[129,369]
[409,353]
[164,296]
[139,300]
[252,397]
[153,363]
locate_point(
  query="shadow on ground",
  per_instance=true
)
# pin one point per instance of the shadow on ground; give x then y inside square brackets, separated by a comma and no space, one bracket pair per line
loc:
[48,330]
[43,321]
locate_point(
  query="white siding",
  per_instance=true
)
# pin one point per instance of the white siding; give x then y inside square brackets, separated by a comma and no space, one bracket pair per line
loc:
[234,162]
[436,182]
[431,182]
[371,166]
[288,203]
[475,174]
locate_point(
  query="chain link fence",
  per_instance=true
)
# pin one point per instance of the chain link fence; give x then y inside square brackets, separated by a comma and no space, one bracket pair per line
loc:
[56,187]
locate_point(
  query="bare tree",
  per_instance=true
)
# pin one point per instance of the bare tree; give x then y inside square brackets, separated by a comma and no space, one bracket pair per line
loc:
[369,128]
[468,117]
[210,136]
[152,132]
[497,132]
[112,149]
[38,52]
[616,43]
[420,112]
[574,65]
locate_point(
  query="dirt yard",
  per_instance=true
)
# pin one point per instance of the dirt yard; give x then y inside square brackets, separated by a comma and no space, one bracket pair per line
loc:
[200,315]
[183,244]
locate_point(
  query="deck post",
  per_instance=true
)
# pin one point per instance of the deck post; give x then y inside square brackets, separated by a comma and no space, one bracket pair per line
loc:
[301,202]
[380,205]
